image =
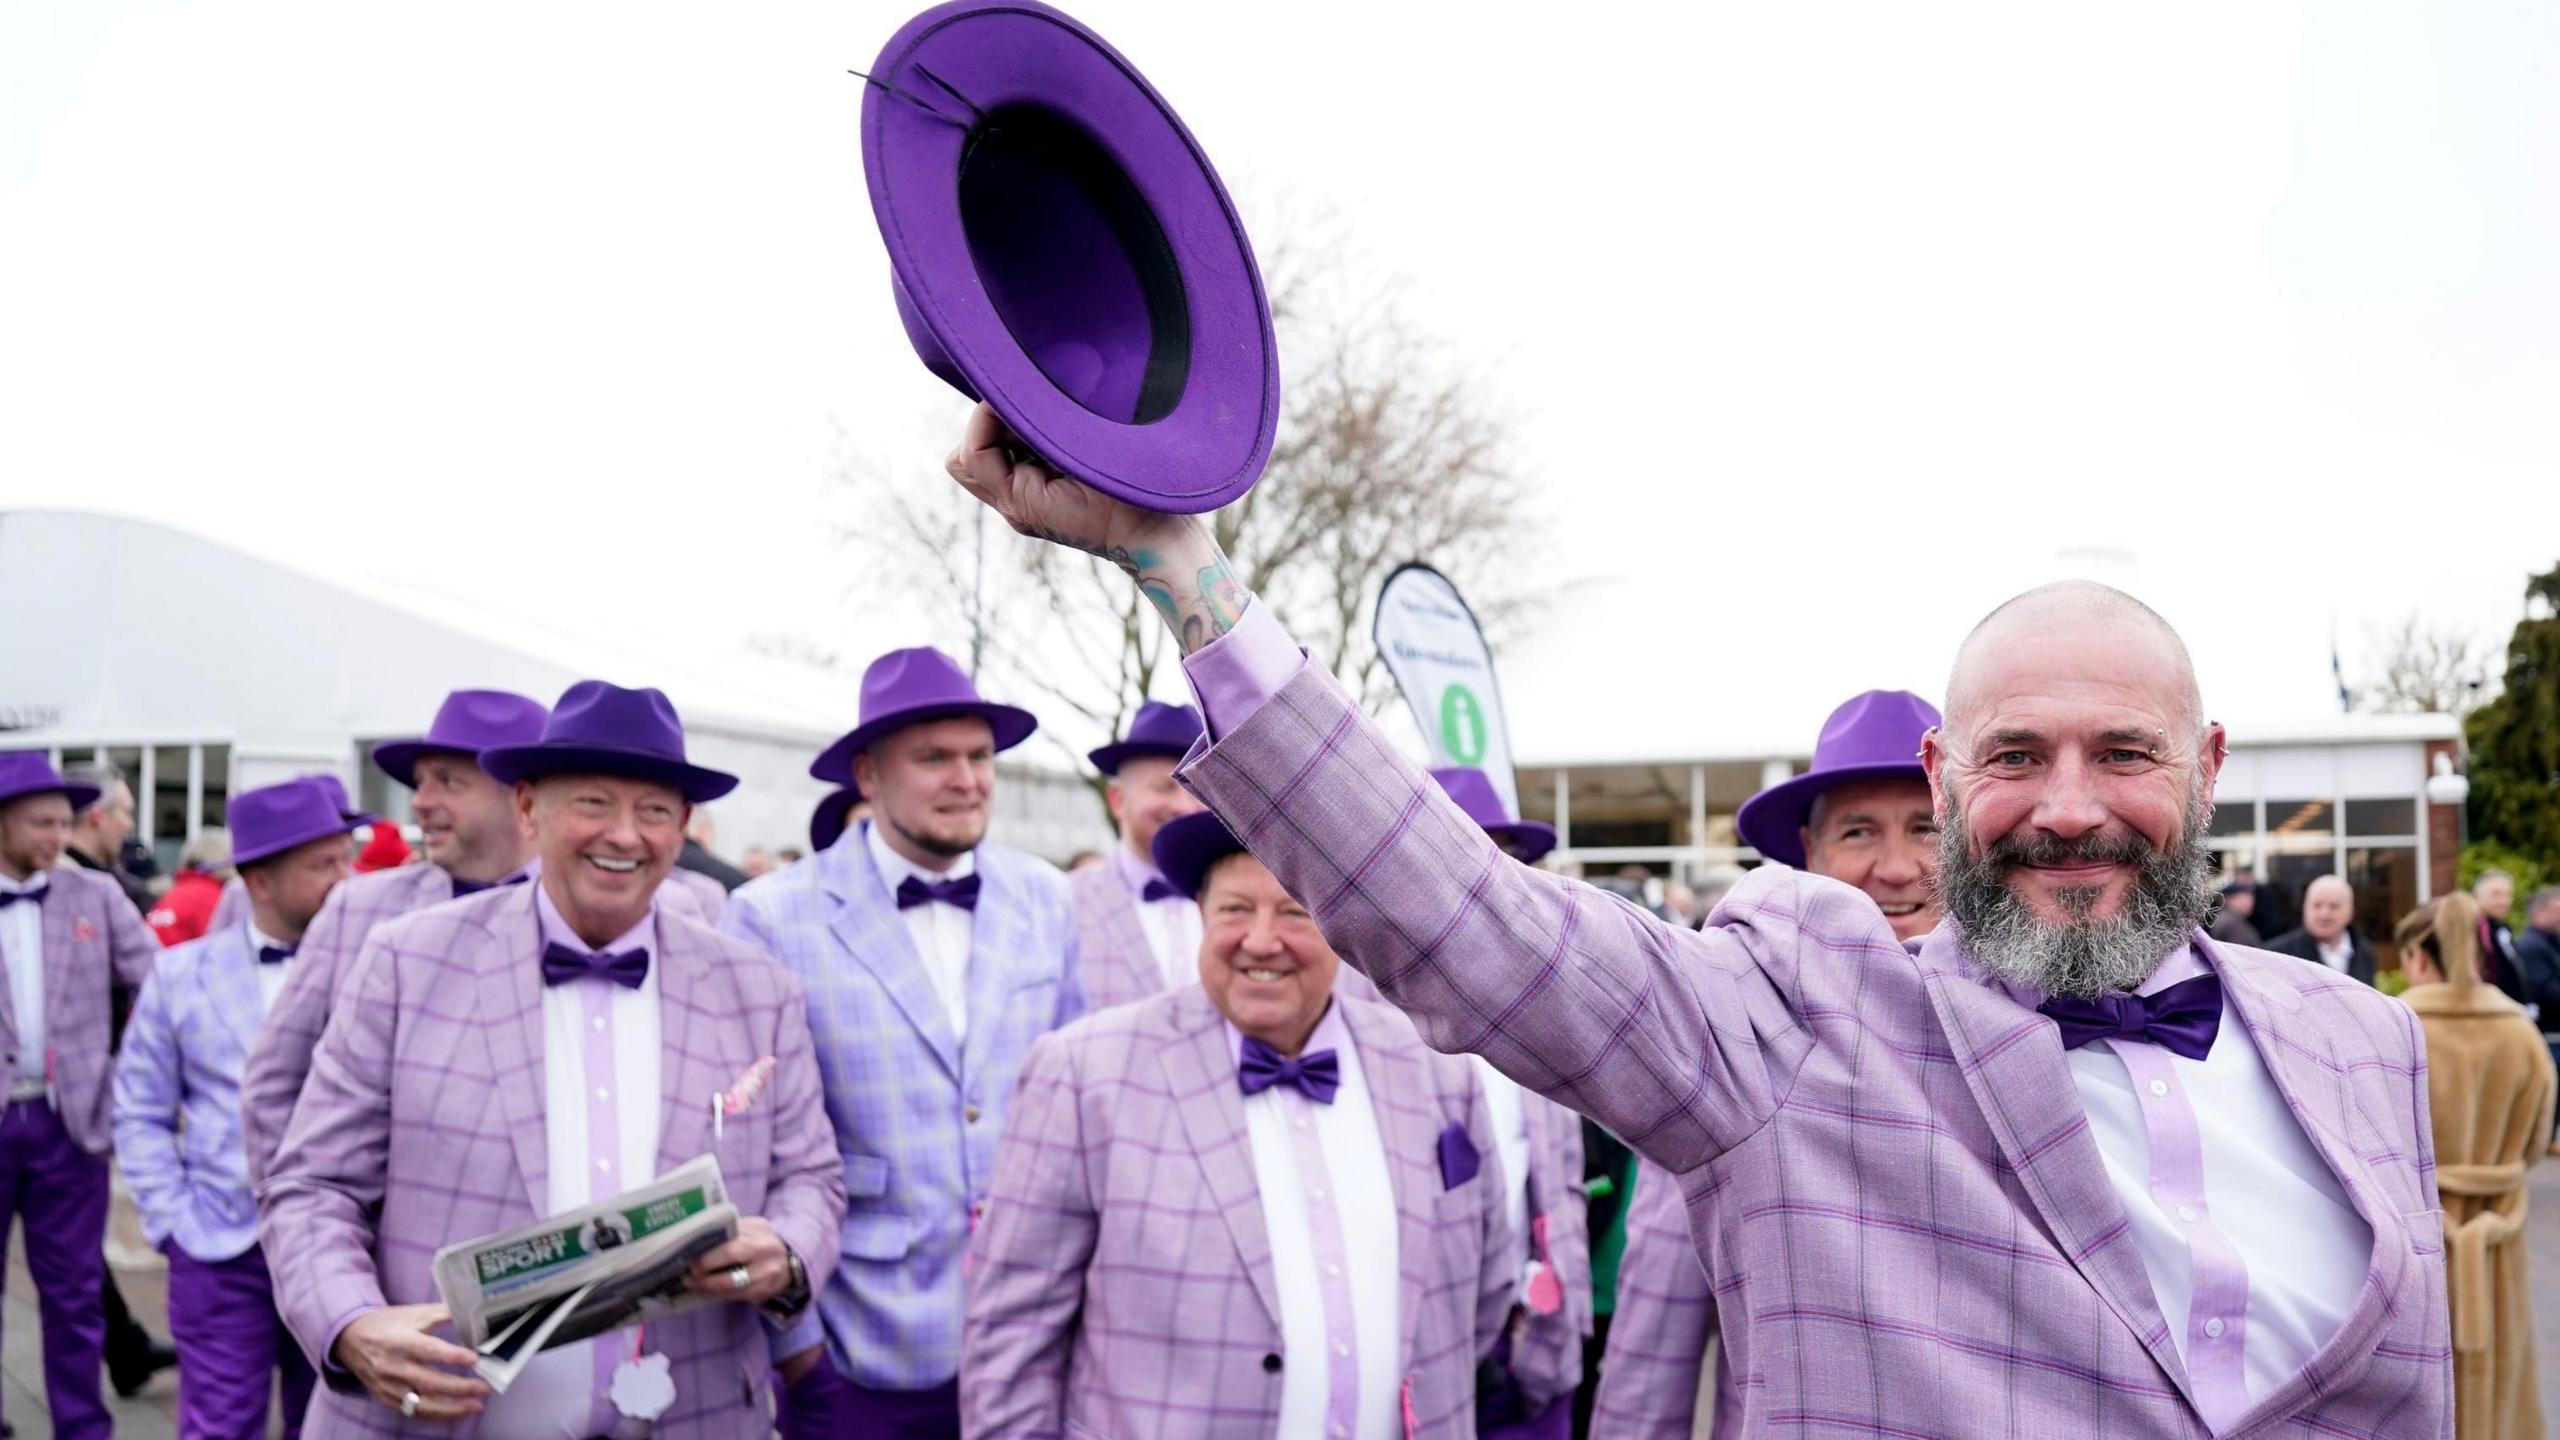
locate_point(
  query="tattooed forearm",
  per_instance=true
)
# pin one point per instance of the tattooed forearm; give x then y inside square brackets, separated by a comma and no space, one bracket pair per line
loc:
[1117,555]
[1181,571]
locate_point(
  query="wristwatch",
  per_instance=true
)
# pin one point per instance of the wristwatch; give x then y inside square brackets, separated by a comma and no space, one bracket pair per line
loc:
[794,1295]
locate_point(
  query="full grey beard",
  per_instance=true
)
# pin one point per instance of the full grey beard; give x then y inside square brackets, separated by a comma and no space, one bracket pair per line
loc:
[2172,893]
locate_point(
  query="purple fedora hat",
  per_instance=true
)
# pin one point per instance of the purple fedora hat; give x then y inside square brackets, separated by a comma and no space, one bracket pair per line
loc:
[1060,248]
[31,772]
[602,729]
[1186,848]
[1873,736]
[468,722]
[1157,729]
[827,822]
[909,687]
[1527,840]
[272,819]
[336,790]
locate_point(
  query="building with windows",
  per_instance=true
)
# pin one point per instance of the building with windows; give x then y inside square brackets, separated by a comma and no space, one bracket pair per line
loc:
[2341,794]
[127,644]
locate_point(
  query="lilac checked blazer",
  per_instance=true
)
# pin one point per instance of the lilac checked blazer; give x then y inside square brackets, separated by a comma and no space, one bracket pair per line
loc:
[1119,965]
[422,1124]
[1546,1350]
[916,1115]
[90,929]
[1883,1151]
[178,1096]
[1121,1283]
[282,1055]
[1666,1314]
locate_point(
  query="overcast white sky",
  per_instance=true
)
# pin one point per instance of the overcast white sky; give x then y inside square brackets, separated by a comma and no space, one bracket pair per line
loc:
[1826,327]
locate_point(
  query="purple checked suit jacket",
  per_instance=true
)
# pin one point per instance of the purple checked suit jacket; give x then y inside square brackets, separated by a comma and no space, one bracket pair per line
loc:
[1666,1313]
[422,1124]
[90,929]
[1119,966]
[1120,1284]
[1884,1152]
[1546,1350]
[178,1096]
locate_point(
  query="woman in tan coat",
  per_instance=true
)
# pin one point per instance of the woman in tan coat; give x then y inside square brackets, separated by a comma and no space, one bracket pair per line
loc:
[2489,1086]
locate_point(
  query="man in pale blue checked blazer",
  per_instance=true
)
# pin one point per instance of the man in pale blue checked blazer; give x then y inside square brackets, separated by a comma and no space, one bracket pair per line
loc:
[932,961]
[177,1116]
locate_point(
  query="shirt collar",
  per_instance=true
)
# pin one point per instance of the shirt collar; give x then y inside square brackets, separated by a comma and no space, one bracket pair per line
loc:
[642,936]
[1136,871]
[530,870]
[895,867]
[34,881]
[260,939]
[1330,1034]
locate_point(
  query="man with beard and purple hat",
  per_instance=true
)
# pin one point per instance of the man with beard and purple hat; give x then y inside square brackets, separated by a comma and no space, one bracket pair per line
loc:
[1861,815]
[2069,1165]
[177,1118]
[65,934]
[1528,1394]
[933,960]
[468,825]
[1138,935]
[529,1049]
[1254,1205]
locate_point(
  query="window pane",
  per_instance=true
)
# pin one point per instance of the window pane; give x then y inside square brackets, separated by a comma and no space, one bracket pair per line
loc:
[217,783]
[2382,817]
[167,805]
[2240,817]
[2301,825]
[2385,878]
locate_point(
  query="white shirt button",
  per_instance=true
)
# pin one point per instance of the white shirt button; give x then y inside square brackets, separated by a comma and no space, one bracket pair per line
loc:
[604,1164]
[1341,1349]
[599,1022]
[2213,1329]
[1332,1269]
[2159,1087]
[603,1094]
[1315,1194]
[2187,1213]
[1299,1123]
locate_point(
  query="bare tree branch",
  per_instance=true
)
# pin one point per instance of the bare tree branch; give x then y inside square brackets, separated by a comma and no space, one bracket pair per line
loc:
[2426,669]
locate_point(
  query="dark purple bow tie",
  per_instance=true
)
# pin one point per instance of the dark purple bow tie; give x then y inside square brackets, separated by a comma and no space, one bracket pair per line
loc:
[35,896]
[564,963]
[462,887]
[2181,1019]
[274,954]
[1159,888]
[962,892]
[1316,1074]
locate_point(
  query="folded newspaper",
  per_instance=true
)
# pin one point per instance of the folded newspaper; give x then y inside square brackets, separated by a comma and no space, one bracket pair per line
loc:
[582,1272]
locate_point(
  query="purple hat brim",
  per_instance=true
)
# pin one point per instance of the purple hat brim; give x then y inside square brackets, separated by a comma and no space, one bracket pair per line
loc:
[1213,444]
[1772,822]
[1111,757]
[1528,841]
[834,764]
[1188,848]
[827,822]
[347,825]
[514,764]
[80,796]
[399,758]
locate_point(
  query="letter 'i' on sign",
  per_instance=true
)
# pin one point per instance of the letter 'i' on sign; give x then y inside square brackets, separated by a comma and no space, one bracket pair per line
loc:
[1462,725]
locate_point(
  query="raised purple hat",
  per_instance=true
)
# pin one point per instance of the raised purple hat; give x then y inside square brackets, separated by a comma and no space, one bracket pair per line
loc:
[1157,729]
[602,729]
[827,822]
[909,687]
[1873,736]
[1187,847]
[31,772]
[1060,248]
[272,819]
[468,722]
[1527,841]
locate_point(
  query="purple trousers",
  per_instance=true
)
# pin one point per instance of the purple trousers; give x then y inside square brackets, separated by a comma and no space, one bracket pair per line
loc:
[60,1190]
[827,1406]
[230,1342]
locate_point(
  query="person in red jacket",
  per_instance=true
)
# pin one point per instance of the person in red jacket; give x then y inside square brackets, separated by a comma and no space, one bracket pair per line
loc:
[384,849]
[185,910]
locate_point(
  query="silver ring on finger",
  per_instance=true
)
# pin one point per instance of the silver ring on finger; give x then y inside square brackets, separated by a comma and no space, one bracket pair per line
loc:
[737,1277]
[409,1406]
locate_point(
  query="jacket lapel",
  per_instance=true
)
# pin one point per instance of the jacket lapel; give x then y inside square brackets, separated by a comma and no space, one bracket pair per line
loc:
[509,1000]
[1129,938]
[61,927]
[691,993]
[230,978]
[2012,1061]
[866,923]
[1200,1064]
[1401,1096]
[990,977]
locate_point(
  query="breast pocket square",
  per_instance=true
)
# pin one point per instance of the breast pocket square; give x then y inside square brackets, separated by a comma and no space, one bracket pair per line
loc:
[1459,1161]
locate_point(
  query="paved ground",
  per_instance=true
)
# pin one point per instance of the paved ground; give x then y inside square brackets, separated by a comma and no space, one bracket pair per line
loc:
[154,1414]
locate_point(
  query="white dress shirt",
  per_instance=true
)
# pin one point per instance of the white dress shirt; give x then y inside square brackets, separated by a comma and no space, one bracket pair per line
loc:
[1362,1204]
[941,933]
[2337,957]
[271,978]
[561,1394]
[1502,1096]
[22,945]
[1171,923]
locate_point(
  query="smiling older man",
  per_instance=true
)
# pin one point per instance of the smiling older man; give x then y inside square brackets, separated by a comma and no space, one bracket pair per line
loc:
[1254,1206]
[2004,1184]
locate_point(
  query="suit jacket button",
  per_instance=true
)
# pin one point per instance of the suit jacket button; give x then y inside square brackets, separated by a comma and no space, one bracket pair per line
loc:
[1270,1364]
[969,1113]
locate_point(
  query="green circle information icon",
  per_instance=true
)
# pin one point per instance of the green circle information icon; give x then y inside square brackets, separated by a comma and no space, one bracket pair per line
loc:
[1462,725]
